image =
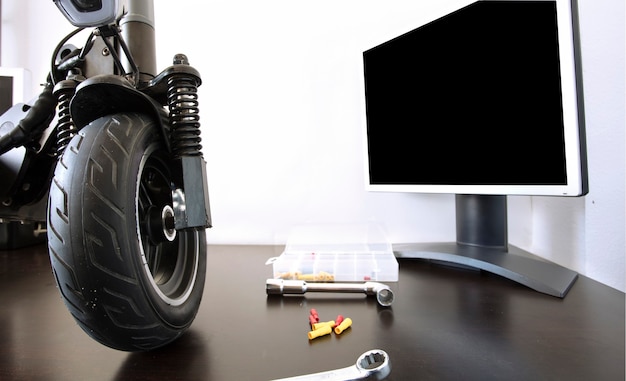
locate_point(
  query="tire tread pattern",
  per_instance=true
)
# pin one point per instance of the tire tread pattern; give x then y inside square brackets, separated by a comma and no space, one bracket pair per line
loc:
[91,246]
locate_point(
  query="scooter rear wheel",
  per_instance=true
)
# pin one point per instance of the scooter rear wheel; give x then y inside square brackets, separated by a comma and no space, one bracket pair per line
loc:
[130,280]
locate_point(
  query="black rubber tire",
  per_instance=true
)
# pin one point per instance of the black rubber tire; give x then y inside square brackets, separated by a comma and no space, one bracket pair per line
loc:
[128,287]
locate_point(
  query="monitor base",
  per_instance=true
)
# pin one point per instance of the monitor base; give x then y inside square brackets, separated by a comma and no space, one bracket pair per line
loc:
[515,264]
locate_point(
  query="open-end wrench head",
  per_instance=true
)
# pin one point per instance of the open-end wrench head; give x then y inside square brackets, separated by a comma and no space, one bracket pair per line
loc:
[374,364]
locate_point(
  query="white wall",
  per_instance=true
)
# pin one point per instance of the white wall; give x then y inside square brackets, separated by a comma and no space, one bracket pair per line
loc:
[282,119]
[604,68]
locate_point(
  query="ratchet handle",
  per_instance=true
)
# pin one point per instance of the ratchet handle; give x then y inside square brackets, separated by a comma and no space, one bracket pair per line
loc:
[382,292]
[290,286]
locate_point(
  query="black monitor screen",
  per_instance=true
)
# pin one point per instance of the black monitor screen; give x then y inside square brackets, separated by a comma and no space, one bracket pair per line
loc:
[6,93]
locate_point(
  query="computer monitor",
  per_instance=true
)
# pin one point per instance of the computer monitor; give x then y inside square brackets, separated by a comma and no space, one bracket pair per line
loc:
[483,103]
[13,87]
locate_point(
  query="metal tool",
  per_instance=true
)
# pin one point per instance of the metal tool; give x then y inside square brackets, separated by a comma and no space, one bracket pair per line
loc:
[371,365]
[383,293]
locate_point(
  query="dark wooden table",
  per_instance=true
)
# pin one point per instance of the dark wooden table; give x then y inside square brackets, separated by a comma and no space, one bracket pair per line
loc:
[445,324]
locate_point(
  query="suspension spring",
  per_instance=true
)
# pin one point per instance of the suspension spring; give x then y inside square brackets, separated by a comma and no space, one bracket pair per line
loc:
[66,129]
[182,98]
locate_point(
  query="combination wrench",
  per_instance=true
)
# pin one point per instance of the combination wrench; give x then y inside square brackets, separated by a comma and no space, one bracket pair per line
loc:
[371,365]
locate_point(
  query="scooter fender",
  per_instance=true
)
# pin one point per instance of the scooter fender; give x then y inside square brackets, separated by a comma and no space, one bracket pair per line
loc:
[108,94]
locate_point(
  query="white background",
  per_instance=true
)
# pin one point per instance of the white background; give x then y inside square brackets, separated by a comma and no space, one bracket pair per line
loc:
[282,121]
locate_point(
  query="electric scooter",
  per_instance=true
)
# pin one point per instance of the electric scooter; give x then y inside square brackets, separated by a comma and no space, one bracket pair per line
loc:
[109,158]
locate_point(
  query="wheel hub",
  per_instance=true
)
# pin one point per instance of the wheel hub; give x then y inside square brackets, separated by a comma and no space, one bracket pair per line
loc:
[161,224]
[167,219]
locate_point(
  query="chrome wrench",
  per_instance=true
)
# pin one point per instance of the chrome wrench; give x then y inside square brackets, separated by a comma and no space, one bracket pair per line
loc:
[384,295]
[371,365]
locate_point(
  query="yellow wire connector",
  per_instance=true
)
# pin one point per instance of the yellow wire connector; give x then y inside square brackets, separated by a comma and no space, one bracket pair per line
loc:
[319,325]
[322,331]
[346,323]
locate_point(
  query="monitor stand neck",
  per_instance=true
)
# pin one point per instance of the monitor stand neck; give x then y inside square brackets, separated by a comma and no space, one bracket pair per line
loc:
[482,243]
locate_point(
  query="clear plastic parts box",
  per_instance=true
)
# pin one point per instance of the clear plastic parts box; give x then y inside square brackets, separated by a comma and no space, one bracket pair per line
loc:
[337,253]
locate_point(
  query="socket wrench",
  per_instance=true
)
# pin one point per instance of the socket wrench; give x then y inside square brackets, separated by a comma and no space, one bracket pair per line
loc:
[384,295]
[371,365]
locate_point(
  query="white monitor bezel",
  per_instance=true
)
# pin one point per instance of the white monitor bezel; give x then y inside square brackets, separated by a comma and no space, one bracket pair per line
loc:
[572,115]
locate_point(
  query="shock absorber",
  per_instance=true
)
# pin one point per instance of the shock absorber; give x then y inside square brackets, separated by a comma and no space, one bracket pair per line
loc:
[64,91]
[182,98]
[191,197]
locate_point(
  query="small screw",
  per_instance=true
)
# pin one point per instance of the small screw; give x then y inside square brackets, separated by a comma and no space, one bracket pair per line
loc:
[181,59]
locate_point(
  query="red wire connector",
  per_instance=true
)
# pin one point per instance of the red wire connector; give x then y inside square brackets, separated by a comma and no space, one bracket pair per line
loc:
[338,320]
